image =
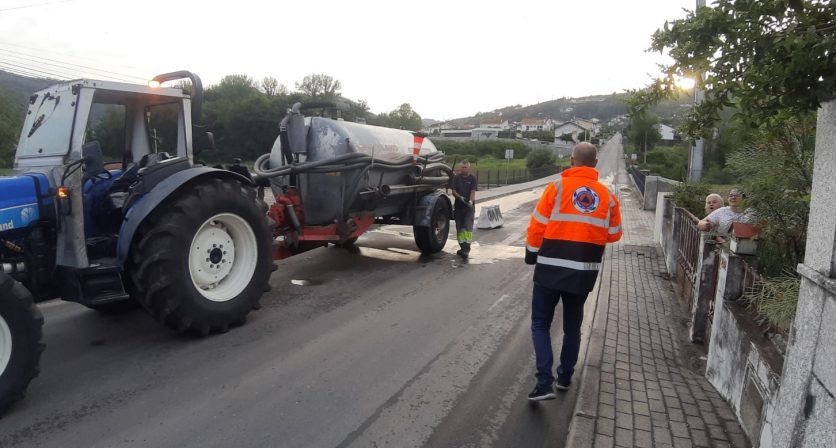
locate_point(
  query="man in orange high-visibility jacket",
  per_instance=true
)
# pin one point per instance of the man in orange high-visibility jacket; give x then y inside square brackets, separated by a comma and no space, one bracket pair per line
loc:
[574,220]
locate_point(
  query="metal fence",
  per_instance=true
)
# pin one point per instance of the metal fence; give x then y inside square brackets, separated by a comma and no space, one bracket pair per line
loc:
[751,278]
[638,177]
[687,242]
[497,177]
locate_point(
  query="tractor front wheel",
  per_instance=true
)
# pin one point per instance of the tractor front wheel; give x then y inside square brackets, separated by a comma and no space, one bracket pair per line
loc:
[201,261]
[20,340]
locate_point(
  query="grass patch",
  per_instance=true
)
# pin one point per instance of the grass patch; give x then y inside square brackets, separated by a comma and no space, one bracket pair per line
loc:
[774,300]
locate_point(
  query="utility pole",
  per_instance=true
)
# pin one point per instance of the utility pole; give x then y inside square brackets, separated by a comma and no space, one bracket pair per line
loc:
[696,158]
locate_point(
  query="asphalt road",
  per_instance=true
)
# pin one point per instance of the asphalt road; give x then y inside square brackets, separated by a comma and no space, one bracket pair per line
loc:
[378,348]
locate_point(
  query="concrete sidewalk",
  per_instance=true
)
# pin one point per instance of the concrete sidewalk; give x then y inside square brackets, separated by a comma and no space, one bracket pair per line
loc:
[637,387]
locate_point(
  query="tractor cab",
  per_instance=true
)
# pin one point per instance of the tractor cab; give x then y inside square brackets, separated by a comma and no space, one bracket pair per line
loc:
[89,150]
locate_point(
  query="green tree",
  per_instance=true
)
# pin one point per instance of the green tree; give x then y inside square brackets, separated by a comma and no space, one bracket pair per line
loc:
[540,158]
[271,87]
[777,172]
[232,88]
[567,137]
[319,86]
[11,119]
[404,117]
[642,131]
[763,56]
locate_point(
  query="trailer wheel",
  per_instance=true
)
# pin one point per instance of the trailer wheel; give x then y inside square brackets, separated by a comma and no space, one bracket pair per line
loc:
[202,260]
[431,239]
[20,340]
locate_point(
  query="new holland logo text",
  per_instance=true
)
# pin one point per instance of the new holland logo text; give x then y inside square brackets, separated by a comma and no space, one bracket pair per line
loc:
[7,225]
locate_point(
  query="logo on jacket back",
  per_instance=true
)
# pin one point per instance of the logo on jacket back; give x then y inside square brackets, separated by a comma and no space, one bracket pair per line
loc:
[585,200]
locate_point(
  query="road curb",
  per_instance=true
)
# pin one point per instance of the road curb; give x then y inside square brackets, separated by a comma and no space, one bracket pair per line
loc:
[582,427]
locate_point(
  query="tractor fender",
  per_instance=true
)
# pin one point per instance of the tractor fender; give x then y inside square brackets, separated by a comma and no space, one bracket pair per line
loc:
[149,202]
[425,205]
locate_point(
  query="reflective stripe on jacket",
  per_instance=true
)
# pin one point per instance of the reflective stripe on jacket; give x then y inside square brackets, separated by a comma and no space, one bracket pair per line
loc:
[573,221]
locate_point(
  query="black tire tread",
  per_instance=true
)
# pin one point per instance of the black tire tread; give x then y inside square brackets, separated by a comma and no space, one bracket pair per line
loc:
[150,255]
[14,293]
[424,236]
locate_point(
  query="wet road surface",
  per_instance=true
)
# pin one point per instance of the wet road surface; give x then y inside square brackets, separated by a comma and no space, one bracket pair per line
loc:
[376,347]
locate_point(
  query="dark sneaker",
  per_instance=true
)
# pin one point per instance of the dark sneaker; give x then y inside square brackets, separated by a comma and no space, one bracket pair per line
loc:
[542,392]
[562,385]
[462,253]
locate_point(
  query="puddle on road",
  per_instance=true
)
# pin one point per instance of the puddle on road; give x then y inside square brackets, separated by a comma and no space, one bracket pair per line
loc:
[304,282]
[485,254]
[479,254]
[391,254]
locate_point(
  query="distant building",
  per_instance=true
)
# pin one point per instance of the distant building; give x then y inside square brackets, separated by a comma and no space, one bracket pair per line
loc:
[536,124]
[467,133]
[579,129]
[494,123]
[665,131]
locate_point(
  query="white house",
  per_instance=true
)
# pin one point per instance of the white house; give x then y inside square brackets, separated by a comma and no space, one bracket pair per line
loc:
[536,124]
[665,131]
[494,123]
[579,129]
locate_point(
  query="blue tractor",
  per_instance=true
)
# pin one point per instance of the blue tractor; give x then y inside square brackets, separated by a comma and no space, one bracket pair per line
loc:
[108,208]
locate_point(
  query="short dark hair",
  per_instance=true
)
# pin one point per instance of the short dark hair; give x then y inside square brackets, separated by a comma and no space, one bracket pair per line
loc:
[585,154]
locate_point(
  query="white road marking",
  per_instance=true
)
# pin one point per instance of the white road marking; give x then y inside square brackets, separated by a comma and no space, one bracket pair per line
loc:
[504,296]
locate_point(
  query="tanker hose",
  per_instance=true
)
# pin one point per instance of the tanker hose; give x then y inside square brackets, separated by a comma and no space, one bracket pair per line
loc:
[347,162]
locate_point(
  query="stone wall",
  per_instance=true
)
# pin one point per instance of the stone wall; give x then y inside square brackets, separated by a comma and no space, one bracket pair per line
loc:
[805,414]
[653,185]
[742,364]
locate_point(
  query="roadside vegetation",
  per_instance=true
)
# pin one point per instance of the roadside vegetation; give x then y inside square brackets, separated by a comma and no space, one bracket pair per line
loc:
[757,120]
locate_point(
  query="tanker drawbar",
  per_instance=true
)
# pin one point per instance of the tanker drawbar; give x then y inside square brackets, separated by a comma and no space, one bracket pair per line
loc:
[334,178]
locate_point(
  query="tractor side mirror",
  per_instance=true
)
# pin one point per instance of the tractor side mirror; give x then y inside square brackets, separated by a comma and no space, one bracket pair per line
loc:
[202,140]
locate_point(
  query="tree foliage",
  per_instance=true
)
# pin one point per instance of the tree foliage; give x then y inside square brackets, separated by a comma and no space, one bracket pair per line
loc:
[232,88]
[642,131]
[11,119]
[540,158]
[271,87]
[319,86]
[764,56]
[777,173]
[404,117]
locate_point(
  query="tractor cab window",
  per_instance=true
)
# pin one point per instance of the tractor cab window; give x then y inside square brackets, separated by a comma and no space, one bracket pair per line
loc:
[48,125]
[107,125]
[163,124]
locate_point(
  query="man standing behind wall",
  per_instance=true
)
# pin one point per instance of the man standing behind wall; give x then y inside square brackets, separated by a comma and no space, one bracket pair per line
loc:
[574,220]
[464,186]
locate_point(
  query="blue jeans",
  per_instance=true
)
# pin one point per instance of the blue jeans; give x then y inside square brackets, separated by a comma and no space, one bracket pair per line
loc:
[543,302]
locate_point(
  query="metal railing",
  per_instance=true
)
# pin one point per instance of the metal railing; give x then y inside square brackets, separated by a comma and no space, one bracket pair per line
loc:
[497,177]
[687,242]
[751,277]
[638,177]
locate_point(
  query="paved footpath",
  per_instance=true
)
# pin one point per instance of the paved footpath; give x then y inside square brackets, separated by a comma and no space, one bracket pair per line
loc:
[637,388]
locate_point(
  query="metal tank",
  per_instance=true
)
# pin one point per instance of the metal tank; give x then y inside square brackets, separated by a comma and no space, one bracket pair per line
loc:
[341,167]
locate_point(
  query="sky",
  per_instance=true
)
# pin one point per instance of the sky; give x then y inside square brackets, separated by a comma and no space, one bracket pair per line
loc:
[448,59]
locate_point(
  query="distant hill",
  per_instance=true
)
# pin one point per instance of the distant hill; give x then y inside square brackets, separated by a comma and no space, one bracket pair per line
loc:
[22,85]
[603,107]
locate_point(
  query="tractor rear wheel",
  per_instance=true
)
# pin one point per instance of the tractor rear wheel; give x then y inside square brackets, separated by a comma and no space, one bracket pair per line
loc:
[431,239]
[202,260]
[20,340]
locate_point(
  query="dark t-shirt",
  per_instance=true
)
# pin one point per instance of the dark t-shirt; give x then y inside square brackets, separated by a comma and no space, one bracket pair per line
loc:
[463,185]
